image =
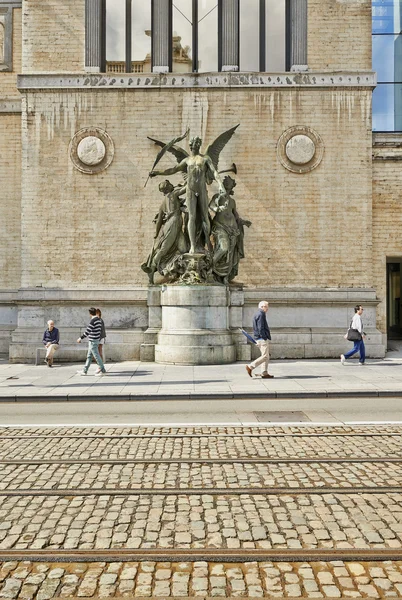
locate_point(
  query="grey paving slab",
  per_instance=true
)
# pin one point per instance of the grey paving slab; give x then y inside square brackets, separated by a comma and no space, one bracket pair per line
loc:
[318,376]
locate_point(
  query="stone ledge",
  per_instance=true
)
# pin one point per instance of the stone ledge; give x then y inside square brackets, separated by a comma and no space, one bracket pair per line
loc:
[10,106]
[43,81]
[391,139]
[311,295]
[65,296]
[141,397]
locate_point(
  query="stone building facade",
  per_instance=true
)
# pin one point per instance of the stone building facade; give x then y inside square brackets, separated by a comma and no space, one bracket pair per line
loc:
[74,234]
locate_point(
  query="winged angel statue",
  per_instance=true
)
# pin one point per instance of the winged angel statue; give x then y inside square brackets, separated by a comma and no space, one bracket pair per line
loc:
[199,170]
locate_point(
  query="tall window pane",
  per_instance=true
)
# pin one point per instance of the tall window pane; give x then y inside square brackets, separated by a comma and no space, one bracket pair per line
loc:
[387,57]
[387,62]
[141,36]
[387,107]
[115,33]
[2,38]
[249,35]
[207,35]
[387,16]
[182,36]
[275,35]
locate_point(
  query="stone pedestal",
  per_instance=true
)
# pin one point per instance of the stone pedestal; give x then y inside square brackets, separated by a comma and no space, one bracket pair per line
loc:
[195,326]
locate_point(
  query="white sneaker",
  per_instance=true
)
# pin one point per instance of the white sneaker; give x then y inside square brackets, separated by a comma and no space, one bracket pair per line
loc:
[343,359]
[100,374]
[361,364]
[82,372]
[98,370]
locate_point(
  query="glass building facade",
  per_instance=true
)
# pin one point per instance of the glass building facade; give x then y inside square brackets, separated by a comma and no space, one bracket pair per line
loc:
[387,62]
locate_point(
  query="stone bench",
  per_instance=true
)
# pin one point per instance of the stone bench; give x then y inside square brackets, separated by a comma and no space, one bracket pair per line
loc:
[66,347]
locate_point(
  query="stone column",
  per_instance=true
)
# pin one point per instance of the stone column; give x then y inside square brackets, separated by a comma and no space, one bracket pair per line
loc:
[230,35]
[94,35]
[298,35]
[161,36]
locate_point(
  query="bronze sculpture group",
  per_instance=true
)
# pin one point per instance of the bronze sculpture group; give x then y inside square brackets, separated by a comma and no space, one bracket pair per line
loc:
[187,219]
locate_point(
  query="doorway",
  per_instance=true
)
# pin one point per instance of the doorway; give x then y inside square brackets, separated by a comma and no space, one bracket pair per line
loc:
[394,295]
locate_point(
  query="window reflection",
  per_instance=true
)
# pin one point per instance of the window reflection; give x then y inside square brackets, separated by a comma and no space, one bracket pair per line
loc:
[115,30]
[207,35]
[182,36]
[387,107]
[141,36]
[275,35]
[387,62]
[2,38]
[269,27]
[249,35]
[387,16]
[387,57]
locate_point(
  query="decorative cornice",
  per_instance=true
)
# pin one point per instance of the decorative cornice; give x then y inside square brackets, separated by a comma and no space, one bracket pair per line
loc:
[80,81]
[384,140]
[10,106]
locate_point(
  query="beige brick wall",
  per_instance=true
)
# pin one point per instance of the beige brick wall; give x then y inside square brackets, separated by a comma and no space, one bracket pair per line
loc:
[10,201]
[54,36]
[8,80]
[10,170]
[303,225]
[387,223]
[339,34]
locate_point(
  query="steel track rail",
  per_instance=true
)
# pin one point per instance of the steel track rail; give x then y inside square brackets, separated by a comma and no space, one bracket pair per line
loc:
[198,435]
[203,554]
[198,461]
[245,491]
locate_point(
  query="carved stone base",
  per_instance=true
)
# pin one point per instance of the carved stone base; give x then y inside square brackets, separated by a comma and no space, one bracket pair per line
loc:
[198,269]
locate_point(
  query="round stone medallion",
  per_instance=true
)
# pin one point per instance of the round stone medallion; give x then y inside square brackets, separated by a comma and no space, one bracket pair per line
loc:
[300,149]
[91,150]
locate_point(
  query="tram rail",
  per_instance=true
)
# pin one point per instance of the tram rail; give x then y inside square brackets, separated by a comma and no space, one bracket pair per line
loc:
[203,554]
[198,435]
[198,461]
[203,491]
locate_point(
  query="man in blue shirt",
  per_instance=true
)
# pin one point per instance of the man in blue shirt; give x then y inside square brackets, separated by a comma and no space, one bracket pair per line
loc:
[51,339]
[262,335]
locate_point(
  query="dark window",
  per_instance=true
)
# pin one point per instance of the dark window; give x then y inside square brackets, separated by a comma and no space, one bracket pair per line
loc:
[387,62]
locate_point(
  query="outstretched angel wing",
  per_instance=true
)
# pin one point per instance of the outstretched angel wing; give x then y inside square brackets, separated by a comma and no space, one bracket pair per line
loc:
[214,149]
[178,152]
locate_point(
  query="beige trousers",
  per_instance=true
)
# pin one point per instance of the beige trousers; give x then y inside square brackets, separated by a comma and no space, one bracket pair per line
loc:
[263,360]
[50,350]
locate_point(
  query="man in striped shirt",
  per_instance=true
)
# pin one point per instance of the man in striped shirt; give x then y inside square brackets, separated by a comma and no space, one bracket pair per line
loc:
[93,333]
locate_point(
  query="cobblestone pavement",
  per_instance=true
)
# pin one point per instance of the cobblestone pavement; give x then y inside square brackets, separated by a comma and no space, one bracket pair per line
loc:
[292,519]
[338,579]
[159,476]
[304,430]
[246,521]
[201,448]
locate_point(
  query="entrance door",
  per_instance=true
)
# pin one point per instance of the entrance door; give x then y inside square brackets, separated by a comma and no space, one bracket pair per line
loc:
[394,323]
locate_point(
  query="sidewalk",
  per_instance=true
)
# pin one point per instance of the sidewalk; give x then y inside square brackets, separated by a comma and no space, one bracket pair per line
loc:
[135,381]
